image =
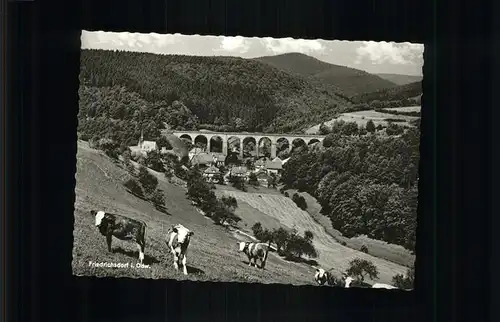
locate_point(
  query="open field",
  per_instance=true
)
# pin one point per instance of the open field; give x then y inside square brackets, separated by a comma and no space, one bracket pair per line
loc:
[212,254]
[394,253]
[331,253]
[362,117]
[406,109]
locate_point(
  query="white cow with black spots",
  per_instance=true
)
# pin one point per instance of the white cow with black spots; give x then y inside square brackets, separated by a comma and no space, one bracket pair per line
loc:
[178,241]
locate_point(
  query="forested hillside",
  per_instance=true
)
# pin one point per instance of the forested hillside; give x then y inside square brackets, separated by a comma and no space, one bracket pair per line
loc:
[227,92]
[401,79]
[348,80]
[399,93]
[366,185]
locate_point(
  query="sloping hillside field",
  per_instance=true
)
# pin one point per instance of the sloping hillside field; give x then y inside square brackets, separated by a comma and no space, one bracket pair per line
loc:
[213,253]
[331,253]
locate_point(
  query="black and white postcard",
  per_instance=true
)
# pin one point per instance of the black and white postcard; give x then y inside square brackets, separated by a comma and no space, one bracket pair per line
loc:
[251,160]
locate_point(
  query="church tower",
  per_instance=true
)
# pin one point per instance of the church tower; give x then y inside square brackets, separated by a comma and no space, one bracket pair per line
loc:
[141,140]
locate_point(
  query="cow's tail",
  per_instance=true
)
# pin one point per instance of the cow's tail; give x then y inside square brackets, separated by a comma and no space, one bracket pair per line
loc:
[265,254]
[143,234]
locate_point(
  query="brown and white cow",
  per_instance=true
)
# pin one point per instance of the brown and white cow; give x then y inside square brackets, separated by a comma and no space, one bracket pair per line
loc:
[121,227]
[322,277]
[255,251]
[178,241]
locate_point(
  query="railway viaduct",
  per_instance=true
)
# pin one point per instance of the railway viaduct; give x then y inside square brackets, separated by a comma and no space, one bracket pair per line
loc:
[230,137]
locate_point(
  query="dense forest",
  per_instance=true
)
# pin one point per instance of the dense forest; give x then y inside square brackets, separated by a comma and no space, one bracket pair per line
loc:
[118,114]
[348,80]
[215,90]
[366,184]
[410,91]
[401,79]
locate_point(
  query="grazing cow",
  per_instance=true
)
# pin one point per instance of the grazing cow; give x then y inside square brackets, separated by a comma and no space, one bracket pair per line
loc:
[322,276]
[349,281]
[178,242]
[381,285]
[121,227]
[255,251]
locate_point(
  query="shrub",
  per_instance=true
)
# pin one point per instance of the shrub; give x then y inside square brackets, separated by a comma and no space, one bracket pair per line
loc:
[134,187]
[153,161]
[364,249]
[360,268]
[130,169]
[147,180]
[252,179]
[158,198]
[299,201]
[238,183]
[343,243]
[261,234]
[370,126]
[405,282]
[223,213]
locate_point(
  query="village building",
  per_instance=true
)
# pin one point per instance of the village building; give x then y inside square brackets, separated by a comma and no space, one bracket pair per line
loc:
[219,159]
[273,167]
[195,151]
[264,179]
[203,160]
[277,159]
[261,163]
[211,174]
[241,172]
[143,147]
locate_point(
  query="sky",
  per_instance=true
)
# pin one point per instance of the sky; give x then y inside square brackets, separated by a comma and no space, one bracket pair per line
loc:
[373,57]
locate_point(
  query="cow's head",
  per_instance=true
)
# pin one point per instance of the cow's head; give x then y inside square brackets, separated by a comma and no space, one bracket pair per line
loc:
[99,216]
[183,234]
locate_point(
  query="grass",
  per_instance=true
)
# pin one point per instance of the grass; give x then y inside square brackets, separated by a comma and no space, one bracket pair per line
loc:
[394,253]
[362,117]
[213,253]
[284,211]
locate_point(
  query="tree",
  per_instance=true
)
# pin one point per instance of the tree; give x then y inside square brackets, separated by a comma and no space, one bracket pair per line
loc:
[154,161]
[394,129]
[230,202]
[158,199]
[360,268]
[147,180]
[324,129]
[299,201]
[252,179]
[308,235]
[350,128]
[134,187]
[370,126]
[405,282]
[162,142]
[238,182]
[222,213]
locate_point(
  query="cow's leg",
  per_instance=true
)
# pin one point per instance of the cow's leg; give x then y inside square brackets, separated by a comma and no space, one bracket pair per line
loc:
[176,260]
[249,261]
[141,251]
[109,238]
[184,268]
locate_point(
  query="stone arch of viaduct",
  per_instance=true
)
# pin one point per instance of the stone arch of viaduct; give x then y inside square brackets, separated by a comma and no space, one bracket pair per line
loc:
[225,136]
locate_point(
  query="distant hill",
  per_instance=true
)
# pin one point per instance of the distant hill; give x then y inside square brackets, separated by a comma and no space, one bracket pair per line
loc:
[349,80]
[399,93]
[401,79]
[243,93]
